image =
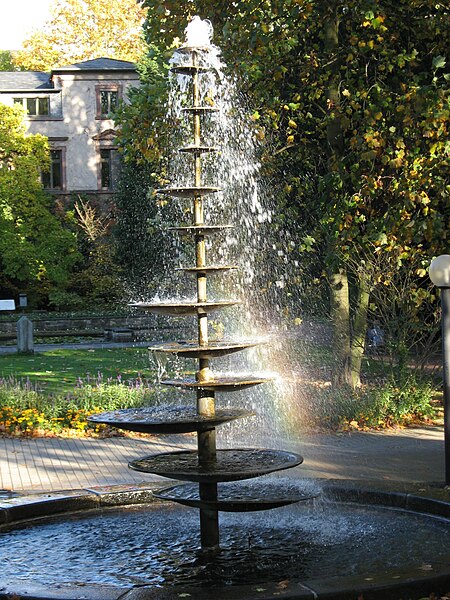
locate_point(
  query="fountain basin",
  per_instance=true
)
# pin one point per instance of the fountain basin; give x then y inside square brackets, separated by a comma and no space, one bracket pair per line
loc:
[189,69]
[384,544]
[230,464]
[228,383]
[208,269]
[167,419]
[198,149]
[176,309]
[188,192]
[237,497]
[192,349]
[189,48]
[200,109]
[201,229]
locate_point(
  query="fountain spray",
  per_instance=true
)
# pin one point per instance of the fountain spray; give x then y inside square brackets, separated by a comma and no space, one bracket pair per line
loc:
[211,468]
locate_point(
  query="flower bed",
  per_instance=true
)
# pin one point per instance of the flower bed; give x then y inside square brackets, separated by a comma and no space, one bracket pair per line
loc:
[26,411]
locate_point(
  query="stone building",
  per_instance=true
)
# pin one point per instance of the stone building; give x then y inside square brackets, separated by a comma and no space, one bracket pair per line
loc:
[72,106]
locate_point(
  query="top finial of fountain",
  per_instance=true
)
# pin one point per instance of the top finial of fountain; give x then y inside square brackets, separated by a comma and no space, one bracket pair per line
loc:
[198,33]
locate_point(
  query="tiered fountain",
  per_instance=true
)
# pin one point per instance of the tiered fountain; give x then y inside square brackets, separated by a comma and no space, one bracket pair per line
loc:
[209,466]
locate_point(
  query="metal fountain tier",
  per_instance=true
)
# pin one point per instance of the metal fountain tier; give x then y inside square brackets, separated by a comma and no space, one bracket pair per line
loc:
[200,229]
[175,309]
[192,349]
[214,470]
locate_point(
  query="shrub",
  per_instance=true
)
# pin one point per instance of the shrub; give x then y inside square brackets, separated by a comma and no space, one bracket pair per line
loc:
[61,300]
[393,404]
[375,406]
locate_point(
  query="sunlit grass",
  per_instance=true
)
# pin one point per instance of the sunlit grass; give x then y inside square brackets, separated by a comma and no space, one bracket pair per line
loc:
[59,370]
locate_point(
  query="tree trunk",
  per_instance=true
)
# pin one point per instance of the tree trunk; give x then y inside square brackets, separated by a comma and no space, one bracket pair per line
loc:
[359,330]
[340,301]
[335,137]
[340,314]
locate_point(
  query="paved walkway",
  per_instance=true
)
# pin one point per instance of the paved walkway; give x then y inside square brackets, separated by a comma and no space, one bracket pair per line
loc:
[51,464]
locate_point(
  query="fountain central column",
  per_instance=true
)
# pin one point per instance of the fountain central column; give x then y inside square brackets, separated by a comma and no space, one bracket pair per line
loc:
[206,440]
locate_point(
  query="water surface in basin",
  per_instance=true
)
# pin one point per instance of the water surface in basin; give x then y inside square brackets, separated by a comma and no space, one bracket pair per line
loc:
[159,545]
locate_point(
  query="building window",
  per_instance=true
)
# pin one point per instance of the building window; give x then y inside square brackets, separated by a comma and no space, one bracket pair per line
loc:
[53,179]
[35,107]
[106,169]
[109,169]
[107,100]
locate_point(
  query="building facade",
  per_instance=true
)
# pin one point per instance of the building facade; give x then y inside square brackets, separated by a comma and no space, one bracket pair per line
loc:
[72,107]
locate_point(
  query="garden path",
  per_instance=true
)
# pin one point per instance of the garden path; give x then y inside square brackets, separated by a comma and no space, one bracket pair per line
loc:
[30,465]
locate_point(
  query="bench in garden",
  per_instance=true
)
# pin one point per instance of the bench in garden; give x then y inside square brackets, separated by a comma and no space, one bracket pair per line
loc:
[119,334]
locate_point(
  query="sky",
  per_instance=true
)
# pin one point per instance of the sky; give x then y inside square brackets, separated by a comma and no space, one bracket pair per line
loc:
[18,18]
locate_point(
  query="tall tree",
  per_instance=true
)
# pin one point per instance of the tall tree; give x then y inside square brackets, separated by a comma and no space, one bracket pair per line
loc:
[82,30]
[353,98]
[142,247]
[36,251]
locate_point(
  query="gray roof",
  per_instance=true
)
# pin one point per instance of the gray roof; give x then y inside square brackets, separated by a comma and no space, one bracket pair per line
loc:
[15,81]
[99,64]
[24,80]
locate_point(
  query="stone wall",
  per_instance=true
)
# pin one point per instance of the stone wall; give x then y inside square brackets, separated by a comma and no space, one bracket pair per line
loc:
[144,326]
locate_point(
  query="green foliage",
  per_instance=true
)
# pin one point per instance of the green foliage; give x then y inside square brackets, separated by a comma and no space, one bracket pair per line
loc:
[374,406]
[392,403]
[97,279]
[113,395]
[7,61]
[26,411]
[62,300]
[57,372]
[36,251]
[141,246]
[99,282]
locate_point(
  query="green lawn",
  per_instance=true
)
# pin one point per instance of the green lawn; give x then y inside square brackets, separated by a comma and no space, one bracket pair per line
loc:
[58,370]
